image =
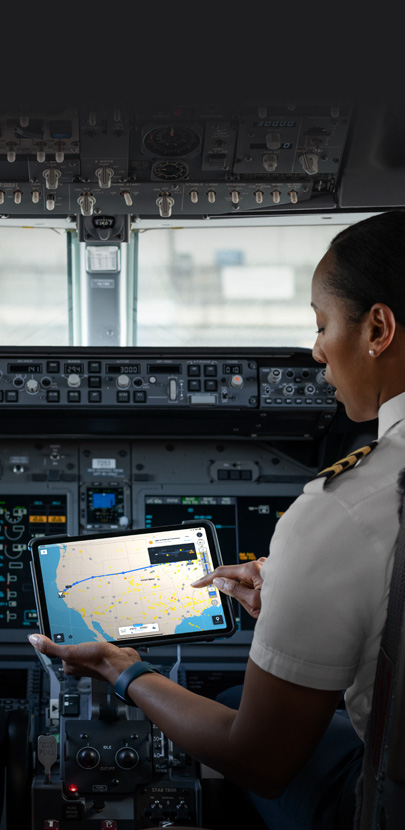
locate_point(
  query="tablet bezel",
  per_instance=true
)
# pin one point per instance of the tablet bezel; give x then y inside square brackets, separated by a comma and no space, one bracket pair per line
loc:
[159,639]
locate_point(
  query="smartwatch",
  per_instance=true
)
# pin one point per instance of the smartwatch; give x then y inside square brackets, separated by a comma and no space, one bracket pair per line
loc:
[128,675]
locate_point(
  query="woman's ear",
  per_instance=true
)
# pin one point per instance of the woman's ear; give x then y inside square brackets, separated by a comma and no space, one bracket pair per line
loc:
[382,326]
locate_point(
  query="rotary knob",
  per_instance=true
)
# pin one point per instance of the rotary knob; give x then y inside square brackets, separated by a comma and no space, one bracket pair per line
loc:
[236,381]
[126,757]
[274,376]
[88,757]
[270,162]
[32,386]
[309,389]
[309,162]
[123,381]
[273,141]
[73,381]
[320,377]
[288,390]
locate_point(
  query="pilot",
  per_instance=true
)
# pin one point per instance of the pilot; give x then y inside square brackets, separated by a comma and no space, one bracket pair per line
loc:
[320,597]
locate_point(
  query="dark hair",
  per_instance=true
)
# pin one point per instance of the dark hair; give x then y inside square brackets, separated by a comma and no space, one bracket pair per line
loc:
[370,265]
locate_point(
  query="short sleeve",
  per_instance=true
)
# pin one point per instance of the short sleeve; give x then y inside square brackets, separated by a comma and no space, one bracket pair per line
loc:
[315,595]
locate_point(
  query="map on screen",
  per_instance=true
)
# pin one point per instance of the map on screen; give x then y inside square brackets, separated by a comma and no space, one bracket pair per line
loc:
[130,586]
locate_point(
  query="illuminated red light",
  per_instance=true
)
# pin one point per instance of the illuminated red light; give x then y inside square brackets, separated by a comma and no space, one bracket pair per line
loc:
[73,788]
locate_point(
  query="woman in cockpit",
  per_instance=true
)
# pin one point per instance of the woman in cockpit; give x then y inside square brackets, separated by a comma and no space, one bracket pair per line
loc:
[320,598]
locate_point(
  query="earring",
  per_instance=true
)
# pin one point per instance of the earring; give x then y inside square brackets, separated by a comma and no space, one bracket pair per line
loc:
[371,352]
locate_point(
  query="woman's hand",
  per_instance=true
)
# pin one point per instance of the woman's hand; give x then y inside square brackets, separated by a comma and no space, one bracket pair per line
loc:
[103,661]
[243,582]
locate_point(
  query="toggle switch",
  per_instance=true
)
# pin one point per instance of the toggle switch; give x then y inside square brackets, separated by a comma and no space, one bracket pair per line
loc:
[104,176]
[86,202]
[127,197]
[11,154]
[41,151]
[52,176]
[60,151]
[165,203]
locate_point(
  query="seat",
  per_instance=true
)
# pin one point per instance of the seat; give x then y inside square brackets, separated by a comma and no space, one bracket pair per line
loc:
[381,796]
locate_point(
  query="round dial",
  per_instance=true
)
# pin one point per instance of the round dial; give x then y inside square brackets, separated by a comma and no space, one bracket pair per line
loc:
[170,170]
[170,140]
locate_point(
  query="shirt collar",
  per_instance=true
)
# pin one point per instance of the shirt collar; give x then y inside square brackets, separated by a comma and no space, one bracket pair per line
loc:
[390,413]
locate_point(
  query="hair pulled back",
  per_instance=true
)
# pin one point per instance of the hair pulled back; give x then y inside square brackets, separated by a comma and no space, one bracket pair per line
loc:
[370,265]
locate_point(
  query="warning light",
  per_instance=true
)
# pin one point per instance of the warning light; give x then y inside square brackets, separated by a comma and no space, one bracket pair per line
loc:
[73,788]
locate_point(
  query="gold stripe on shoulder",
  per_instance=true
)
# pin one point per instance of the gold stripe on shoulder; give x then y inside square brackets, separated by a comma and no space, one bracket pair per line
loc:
[346,463]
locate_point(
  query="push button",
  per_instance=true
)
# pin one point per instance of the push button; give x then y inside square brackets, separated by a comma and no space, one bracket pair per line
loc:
[1,396]
[194,386]
[193,371]
[94,382]
[122,397]
[94,397]
[53,366]
[73,396]
[139,397]
[210,371]
[52,396]
[94,367]
[11,396]
[222,475]
[210,385]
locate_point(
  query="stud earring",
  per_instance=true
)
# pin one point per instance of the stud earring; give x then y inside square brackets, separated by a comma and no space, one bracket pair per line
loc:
[371,352]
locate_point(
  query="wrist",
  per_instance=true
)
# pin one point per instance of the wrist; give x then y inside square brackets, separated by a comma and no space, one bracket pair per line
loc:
[127,677]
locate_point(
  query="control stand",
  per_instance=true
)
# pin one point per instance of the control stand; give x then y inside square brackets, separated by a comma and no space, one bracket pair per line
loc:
[114,768]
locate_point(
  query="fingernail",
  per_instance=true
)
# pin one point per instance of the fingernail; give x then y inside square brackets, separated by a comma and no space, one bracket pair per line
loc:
[219,582]
[34,639]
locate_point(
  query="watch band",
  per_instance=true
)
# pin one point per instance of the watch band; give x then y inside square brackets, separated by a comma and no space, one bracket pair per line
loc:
[128,675]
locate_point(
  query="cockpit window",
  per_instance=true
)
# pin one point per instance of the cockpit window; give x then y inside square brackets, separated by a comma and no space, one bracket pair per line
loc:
[229,286]
[33,287]
[201,286]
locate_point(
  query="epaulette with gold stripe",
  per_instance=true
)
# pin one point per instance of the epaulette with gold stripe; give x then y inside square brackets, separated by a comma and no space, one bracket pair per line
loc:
[346,463]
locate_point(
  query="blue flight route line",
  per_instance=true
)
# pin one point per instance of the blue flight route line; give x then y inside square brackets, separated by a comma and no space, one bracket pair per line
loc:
[120,573]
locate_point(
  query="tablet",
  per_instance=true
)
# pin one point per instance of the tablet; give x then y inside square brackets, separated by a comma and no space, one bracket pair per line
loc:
[130,588]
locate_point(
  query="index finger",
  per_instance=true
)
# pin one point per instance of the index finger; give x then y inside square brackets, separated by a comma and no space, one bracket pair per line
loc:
[236,572]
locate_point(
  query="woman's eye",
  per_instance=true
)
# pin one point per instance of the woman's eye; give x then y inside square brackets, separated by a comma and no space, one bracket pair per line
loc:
[318,331]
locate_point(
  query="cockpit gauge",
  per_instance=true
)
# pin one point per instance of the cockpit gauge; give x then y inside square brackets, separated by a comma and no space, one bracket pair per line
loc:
[171,140]
[170,170]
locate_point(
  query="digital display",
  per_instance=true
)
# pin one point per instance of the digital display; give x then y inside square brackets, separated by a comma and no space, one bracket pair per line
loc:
[21,518]
[74,368]
[103,463]
[105,505]
[286,145]
[124,369]
[29,368]
[103,500]
[244,524]
[276,125]
[134,586]
[164,369]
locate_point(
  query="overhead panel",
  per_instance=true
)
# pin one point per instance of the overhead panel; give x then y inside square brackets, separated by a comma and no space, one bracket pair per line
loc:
[172,161]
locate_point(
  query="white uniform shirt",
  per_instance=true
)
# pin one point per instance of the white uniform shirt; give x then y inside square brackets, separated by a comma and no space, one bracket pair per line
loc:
[326,580]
